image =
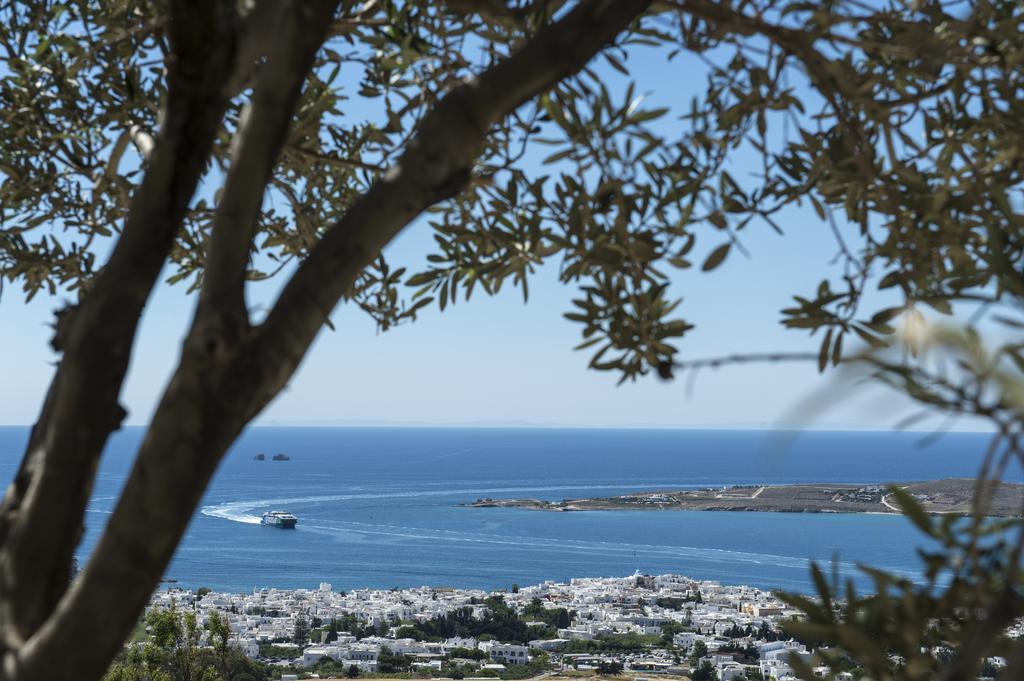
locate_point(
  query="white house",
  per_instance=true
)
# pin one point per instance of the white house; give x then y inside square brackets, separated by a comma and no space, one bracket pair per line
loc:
[685,639]
[506,653]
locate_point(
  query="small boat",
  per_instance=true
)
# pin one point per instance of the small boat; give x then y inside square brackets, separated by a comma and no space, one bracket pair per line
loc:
[281,519]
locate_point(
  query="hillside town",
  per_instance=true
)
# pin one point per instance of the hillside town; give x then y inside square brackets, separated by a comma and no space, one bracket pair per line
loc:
[642,624]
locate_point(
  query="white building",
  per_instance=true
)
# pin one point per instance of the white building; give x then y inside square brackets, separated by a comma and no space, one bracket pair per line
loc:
[506,653]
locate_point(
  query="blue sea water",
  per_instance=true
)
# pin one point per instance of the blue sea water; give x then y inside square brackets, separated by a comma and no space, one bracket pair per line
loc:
[378,507]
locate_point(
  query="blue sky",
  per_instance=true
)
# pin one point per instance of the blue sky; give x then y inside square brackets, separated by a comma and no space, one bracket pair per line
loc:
[496,360]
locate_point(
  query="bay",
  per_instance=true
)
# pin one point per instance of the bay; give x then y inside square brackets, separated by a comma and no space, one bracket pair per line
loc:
[379,507]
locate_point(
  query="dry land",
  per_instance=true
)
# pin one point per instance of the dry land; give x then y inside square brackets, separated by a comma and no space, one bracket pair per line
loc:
[936,496]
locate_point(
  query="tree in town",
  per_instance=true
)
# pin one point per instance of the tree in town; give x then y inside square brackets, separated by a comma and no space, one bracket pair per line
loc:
[389,662]
[697,651]
[556,618]
[300,634]
[332,632]
[220,633]
[668,632]
[705,672]
[224,142]
[171,650]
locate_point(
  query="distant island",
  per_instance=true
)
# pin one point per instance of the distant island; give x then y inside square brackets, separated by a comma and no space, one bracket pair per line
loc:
[935,496]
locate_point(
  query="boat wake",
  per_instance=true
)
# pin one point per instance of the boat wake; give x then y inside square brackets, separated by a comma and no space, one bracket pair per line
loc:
[241,511]
[236,511]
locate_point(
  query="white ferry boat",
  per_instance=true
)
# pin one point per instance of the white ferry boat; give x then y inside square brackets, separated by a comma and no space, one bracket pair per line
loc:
[281,519]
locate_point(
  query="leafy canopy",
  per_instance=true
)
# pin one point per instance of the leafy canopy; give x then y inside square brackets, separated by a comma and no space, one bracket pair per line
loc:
[898,124]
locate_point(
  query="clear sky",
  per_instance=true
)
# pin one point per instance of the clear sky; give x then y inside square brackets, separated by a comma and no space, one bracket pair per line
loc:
[496,360]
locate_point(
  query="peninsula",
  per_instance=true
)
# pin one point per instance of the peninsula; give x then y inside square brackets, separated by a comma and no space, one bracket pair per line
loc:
[935,496]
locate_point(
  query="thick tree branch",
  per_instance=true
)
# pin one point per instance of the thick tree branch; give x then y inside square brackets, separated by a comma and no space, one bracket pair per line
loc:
[256,35]
[301,30]
[42,510]
[436,166]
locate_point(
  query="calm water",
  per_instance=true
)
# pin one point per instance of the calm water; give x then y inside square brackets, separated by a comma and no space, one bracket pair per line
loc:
[377,506]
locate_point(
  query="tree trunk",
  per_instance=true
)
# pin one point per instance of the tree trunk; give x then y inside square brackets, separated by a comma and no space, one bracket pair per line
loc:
[228,371]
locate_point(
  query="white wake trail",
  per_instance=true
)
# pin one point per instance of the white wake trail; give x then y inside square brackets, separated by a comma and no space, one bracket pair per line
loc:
[236,511]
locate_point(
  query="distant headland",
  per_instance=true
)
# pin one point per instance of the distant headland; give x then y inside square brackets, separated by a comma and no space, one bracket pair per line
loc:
[935,496]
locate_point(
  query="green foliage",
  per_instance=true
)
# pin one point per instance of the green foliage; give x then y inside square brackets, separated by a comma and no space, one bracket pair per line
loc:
[736,631]
[220,632]
[500,622]
[556,618]
[743,654]
[329,668]
[467,653]
[896,124]
[350,623]
[300,635]
[171,652]
[699,650]
[705,672]
[270,651]
[669,630]
[906,630]
[389,662]
[612,643]
[408,631]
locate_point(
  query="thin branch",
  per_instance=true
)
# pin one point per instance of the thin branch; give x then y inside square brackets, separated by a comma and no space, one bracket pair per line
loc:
[752,358]
[342,163]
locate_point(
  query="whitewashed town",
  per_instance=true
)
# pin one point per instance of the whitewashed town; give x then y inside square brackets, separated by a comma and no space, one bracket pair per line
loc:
[642,624]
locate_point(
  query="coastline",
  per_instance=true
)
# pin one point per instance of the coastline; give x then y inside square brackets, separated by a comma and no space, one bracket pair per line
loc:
[951,496]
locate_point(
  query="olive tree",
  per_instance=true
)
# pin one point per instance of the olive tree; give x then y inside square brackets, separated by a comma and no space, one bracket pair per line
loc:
[224,142]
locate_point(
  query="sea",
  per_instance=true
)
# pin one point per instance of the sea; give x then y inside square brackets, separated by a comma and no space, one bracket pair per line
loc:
[381,507]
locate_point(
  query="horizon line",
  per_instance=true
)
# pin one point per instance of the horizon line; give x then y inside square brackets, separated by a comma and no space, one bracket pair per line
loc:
[529,425]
